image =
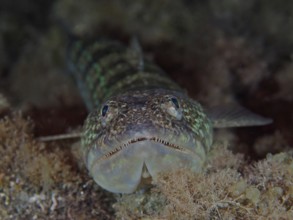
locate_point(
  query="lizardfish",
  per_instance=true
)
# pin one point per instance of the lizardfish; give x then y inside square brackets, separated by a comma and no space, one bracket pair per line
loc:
[141,122]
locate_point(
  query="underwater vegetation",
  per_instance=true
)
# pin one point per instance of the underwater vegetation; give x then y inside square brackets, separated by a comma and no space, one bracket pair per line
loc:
[41,183]
[219,51]
[38,182]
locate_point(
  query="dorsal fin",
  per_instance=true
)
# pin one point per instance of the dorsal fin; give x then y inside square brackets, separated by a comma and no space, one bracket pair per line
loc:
[136,54]
[235,116]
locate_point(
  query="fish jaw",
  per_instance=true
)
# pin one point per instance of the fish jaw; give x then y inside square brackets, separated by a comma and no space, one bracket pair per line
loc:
[122,171]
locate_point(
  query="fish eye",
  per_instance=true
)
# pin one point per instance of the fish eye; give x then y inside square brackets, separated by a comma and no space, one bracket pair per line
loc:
[171,105]
[175,102]
[105,110]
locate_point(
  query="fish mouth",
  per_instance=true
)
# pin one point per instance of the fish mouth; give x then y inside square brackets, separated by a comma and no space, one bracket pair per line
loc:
[142,157]
[161,141]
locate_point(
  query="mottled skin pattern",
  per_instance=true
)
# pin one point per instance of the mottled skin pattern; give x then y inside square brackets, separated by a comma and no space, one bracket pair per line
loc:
[138,117]
[141,123]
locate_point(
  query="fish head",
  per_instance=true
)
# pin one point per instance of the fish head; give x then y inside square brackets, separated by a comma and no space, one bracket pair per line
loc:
[138,134]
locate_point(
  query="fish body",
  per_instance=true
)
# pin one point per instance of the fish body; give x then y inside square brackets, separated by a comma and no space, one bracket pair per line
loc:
[141,122]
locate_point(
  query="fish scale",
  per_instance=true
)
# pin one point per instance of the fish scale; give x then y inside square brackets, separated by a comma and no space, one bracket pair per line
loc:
[105,68]
[140,121]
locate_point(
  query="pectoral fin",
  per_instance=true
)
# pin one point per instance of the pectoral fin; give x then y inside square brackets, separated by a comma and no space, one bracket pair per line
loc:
[235,116]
